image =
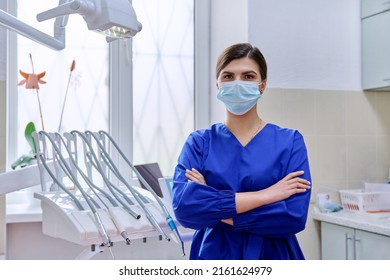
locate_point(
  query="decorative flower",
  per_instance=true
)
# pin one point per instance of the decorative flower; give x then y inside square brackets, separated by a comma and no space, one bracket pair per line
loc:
[31,80]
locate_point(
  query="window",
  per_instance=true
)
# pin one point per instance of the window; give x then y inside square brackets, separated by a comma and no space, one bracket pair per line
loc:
[87,100]
[86,104]
[162,93]
[163,83]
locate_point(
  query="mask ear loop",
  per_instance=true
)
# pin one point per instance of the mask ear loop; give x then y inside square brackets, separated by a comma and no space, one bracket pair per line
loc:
[261,91]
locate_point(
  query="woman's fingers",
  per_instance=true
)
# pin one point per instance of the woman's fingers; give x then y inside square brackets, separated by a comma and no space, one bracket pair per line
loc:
[195,175]
[298,182]
[293,175]
[295,181]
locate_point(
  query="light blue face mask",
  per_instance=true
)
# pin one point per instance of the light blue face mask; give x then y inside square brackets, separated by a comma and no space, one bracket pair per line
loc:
[239,96]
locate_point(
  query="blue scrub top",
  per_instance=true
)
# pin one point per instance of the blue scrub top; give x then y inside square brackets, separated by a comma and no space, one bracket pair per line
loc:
[267,232]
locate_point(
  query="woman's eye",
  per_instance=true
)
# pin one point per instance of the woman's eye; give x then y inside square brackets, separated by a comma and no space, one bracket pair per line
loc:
[249,77]
[227,77]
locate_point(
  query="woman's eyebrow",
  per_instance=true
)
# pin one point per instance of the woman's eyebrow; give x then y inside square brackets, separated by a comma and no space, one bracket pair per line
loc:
[244,73]
[250,72]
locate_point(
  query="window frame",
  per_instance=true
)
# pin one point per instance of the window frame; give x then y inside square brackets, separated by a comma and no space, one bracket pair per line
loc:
[202,63]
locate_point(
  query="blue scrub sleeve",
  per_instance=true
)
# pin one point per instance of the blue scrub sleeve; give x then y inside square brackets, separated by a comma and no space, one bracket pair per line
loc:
[195,205]
[283,218]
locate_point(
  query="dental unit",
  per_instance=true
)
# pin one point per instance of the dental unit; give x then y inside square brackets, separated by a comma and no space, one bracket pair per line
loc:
[88,201]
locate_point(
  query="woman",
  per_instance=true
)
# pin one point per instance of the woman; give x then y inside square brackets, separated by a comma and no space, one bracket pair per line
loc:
[243,185]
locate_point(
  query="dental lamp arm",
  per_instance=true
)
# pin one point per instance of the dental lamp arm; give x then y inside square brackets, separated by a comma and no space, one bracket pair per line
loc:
[73,7]
[57,42]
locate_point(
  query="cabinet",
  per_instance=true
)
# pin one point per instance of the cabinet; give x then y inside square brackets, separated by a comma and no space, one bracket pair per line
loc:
[375,20]
[345,243]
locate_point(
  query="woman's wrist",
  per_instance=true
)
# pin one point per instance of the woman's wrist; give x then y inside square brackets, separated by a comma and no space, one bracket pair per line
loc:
[247,201]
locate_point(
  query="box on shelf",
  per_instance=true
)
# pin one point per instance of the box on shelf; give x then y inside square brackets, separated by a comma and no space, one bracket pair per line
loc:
[373,198]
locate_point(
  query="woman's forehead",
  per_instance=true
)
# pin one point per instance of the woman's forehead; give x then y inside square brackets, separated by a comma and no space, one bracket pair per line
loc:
[242,65]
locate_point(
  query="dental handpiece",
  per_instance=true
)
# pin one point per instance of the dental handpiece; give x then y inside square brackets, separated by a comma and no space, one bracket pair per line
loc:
[105,238]
[175,230]
[119,225]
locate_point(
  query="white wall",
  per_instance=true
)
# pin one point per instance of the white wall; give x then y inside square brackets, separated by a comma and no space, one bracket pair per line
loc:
[308,44]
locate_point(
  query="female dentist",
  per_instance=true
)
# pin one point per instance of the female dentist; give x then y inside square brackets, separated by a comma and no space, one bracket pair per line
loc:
[243,185]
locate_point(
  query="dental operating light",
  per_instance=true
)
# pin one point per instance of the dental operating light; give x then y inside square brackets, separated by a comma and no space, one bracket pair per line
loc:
[115,19]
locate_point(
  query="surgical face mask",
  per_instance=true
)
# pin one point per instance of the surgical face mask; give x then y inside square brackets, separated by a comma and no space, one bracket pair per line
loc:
[239,96]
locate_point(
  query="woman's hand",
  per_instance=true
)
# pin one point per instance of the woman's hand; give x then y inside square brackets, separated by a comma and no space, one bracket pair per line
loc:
[288,186]
[228,221]
[196,176]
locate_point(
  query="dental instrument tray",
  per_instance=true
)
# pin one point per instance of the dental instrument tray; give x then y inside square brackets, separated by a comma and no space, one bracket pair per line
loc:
[61,219]
[90,195]
[373,198]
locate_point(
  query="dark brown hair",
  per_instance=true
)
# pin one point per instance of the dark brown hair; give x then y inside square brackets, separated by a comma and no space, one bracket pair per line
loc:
[239,51]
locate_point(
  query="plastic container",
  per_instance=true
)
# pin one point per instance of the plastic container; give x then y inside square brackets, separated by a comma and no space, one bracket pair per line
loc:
[374,198]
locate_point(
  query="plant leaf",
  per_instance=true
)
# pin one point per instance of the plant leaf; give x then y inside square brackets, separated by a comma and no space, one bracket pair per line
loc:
[30,128]
[23,161]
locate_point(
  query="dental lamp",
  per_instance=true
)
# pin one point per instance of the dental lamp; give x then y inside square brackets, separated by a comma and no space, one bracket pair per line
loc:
[113,18]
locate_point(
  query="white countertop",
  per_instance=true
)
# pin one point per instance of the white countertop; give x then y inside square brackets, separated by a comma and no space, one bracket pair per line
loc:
[372,222]
[23,213]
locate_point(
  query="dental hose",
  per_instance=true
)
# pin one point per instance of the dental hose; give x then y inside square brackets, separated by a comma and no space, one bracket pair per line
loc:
[169,219]
[113,189]
[103,233]
[147,212]
[149,216]
[71,195]
[86,179]
[112,213]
